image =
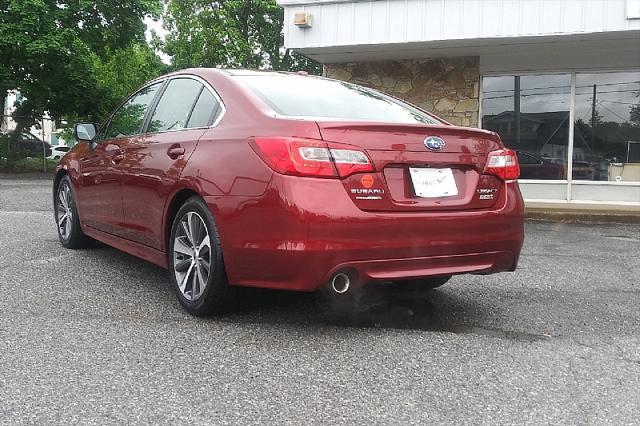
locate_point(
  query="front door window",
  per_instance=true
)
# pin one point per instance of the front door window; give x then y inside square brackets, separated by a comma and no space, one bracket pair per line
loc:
[127,121]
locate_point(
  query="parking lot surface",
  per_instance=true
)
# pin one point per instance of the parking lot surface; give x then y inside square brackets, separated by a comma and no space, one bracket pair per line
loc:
[96,336]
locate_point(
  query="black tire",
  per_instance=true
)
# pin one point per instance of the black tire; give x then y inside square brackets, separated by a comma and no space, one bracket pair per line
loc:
[69,232]
[217,295]
[422,284]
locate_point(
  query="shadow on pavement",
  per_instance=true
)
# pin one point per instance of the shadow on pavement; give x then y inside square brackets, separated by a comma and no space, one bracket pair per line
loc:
[377,305]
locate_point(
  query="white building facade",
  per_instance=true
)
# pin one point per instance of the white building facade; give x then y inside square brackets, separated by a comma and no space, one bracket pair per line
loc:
[46,130]
[559,80]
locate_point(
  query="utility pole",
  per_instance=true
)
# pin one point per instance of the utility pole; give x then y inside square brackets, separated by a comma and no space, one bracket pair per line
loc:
[593,118]
[516,108]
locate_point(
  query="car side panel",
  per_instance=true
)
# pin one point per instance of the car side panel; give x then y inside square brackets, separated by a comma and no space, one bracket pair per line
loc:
[149,174]
[224,164]
[98,191]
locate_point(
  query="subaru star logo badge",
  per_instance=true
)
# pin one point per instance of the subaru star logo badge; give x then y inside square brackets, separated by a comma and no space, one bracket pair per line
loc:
[434,143]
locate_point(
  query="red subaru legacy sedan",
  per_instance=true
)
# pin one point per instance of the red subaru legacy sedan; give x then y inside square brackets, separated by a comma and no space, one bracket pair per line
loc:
[288,181]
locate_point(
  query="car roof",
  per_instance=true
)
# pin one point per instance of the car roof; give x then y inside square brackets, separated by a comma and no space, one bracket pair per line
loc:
[231,72]
[247,72]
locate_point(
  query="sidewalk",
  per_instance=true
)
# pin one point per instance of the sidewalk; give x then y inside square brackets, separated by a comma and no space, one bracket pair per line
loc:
[595,212]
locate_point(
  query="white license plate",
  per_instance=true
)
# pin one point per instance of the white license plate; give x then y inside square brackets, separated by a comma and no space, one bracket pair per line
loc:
[432,183]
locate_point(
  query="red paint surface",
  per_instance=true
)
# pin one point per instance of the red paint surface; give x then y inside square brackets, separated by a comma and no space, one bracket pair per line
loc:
[294,232]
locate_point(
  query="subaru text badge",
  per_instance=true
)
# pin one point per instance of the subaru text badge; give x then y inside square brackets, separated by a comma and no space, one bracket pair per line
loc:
[434,143]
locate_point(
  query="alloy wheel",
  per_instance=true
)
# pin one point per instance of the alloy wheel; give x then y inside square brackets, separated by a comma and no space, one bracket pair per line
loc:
[192,256]
[64,211]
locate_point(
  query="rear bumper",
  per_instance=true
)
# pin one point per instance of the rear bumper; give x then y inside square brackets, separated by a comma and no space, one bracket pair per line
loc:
[417,267]
[305,230]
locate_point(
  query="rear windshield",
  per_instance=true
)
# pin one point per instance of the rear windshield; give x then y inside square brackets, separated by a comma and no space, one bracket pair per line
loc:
[313,97]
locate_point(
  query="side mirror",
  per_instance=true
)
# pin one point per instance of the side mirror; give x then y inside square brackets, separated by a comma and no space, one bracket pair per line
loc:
[84,132]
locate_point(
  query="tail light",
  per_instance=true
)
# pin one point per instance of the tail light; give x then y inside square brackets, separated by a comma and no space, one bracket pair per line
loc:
[308,157]
[503,163]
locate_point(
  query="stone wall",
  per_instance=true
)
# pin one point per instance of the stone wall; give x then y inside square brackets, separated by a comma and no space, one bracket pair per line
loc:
[448,87]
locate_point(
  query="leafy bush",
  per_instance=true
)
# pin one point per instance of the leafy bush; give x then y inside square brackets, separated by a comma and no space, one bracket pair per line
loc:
[26,165]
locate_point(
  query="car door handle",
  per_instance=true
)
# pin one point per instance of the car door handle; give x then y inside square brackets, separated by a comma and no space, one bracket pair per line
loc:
[116,155]
[175,151]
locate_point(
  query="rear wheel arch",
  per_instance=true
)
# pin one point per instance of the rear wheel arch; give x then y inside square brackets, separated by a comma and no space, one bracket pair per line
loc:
[197,268]
[178,199]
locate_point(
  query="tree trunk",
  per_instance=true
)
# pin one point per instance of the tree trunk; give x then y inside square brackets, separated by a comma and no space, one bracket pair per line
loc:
[14,143]
[3,99]
[245,11]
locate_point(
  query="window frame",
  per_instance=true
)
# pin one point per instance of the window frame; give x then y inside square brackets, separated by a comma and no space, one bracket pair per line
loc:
[214,119]
[216,116]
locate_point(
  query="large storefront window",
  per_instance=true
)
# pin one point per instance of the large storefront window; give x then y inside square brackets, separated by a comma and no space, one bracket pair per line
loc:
[531,115]
[606,139]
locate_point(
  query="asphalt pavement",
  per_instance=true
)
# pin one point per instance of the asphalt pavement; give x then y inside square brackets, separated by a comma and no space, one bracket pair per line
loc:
[97,337]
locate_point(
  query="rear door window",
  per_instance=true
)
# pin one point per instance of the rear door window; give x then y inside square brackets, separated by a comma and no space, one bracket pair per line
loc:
[205,110]
[174,108]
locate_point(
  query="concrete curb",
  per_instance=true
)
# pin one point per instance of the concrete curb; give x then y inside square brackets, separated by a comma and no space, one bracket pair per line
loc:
[582,216]
[27,176]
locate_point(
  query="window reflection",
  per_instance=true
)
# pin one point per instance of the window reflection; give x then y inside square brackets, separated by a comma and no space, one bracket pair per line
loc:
[175,105]
[531,115]
[127,120]
[203,110]
[295,96]
[606,138]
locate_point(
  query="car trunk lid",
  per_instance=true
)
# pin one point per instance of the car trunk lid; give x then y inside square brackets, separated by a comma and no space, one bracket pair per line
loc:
[411,177]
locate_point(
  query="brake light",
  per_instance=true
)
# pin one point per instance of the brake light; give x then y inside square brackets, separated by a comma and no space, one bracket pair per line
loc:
[308,157]
[503,163]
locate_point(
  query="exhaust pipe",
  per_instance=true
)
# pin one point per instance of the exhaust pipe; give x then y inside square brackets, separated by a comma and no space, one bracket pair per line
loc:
[340,283]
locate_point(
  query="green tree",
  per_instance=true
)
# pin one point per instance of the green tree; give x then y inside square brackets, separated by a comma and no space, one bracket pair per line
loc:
[58,54]
[230,33]
[122,71]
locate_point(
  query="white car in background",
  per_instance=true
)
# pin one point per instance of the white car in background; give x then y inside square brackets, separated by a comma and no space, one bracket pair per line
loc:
[58,151]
